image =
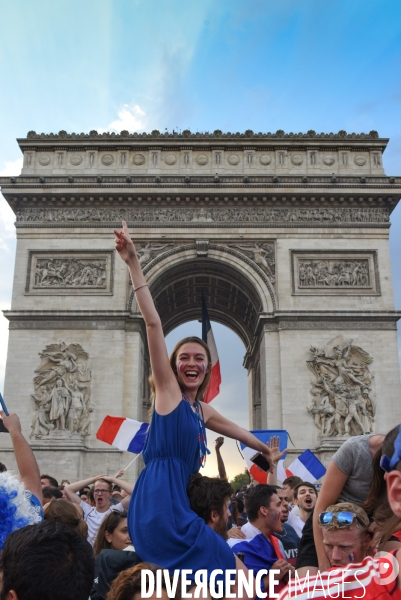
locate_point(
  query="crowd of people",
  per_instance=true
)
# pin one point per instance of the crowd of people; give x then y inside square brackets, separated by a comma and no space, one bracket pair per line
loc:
[178,534]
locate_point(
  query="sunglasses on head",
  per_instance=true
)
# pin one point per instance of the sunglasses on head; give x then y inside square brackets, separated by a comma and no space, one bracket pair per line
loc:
[344,518]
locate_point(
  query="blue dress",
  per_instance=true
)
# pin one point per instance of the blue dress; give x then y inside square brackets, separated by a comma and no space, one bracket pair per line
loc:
[163,528]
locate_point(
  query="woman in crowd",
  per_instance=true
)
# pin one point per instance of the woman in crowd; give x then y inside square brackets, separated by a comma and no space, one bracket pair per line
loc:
[113,533]
[387,526]
[127,586]
[348,479]
[160,521]
[62,511]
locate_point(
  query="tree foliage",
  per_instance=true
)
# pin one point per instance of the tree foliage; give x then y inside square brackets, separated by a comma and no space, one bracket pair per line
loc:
[239,480]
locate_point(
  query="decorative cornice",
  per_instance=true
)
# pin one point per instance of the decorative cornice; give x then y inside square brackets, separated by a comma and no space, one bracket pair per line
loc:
[187,134]
[224,181]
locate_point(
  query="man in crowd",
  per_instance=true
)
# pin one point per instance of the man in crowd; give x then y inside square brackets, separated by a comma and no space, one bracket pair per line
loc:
[288,536]
[260,548]
[289,486]
[102,489]
[373,578]
[49,493]
[209,498]
[46,561]
[48,480]
[305,498]
[345,543]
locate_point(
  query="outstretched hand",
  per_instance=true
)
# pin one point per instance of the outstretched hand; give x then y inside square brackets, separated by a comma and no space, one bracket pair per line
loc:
[11,422]
[274,446]
[124,245]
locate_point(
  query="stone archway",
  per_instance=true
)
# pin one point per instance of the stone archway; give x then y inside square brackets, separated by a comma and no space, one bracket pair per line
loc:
[236,290]
[287,236]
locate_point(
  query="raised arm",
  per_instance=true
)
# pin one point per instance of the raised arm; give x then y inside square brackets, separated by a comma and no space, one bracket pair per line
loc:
[220,463]
[24,457]
[72,489]
[333,483]
[168,394]
[216,422]
[124,485]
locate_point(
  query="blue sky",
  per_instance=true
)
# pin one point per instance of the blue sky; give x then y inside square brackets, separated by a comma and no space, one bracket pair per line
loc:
[197,64]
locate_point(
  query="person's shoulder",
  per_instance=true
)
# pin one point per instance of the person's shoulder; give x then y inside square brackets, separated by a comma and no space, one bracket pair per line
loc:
[86,508]
[118,507]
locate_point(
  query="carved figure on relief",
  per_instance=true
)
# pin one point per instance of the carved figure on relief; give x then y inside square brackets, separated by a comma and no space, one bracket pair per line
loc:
[261,254]
[342,391]
[62,392]
[149,251]
[330,273]
[70,272]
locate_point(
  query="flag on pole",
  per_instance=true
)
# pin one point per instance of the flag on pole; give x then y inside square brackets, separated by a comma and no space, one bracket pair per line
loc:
[124,434]
[213,388]
[307,466]
[264,435]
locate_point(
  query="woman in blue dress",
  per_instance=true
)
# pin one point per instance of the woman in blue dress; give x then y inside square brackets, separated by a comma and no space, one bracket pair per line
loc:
[161,524]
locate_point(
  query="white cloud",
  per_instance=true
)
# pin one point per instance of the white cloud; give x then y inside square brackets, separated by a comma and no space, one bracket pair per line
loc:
[12,168]
[7,251]
[130,118]
[7,217]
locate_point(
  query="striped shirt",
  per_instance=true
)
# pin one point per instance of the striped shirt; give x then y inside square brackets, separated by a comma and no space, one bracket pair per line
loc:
[367,580]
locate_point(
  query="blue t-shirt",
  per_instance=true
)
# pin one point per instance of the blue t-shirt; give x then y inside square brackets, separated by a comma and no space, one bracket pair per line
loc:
[290,540]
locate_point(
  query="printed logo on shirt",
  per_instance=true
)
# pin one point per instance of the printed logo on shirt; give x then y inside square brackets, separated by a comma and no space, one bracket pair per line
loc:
[388,568]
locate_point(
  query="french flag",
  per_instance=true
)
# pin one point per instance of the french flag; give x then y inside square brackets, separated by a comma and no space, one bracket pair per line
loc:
[124,434]
[264,435]
[307,466]
[213,389]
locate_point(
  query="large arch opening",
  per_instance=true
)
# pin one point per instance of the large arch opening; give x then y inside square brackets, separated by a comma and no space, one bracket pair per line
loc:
[232,402]
[231,298]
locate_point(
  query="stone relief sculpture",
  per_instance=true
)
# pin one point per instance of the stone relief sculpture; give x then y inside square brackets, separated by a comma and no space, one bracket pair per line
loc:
[261,254]
[61,400]
[70,273]
[198,215]
[149,251]
[334,273]
[342,391]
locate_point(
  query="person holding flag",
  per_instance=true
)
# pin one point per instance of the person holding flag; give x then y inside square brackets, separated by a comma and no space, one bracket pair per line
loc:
[162,526]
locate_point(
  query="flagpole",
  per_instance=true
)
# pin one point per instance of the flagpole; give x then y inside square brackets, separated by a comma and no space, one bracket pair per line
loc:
[132,461]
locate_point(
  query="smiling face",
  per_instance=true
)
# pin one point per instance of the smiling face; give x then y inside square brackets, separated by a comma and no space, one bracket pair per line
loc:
[192,366]
[119,539]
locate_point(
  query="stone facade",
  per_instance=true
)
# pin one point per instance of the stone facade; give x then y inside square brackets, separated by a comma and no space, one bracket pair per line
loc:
[287,237]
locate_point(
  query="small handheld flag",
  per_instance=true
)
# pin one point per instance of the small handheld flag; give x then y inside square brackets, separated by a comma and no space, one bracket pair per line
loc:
[124,434]
[307,466]
[3,406]
[213,389]
[264,435]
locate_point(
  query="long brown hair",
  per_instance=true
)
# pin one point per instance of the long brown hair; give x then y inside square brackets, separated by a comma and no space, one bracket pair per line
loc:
[377,502]
[128,583]
[173,364]
[60,510]
[378,489]
[109,524]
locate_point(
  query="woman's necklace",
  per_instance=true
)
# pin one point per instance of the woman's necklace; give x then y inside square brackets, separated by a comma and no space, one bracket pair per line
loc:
[202,441]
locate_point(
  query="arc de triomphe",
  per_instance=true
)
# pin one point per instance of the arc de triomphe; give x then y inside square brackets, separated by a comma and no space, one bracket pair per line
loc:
[286,235]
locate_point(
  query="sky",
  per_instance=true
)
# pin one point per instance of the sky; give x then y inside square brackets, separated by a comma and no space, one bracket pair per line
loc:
[200,65]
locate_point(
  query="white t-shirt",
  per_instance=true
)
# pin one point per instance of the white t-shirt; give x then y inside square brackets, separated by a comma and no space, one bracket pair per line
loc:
[93,518]
[296,522]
